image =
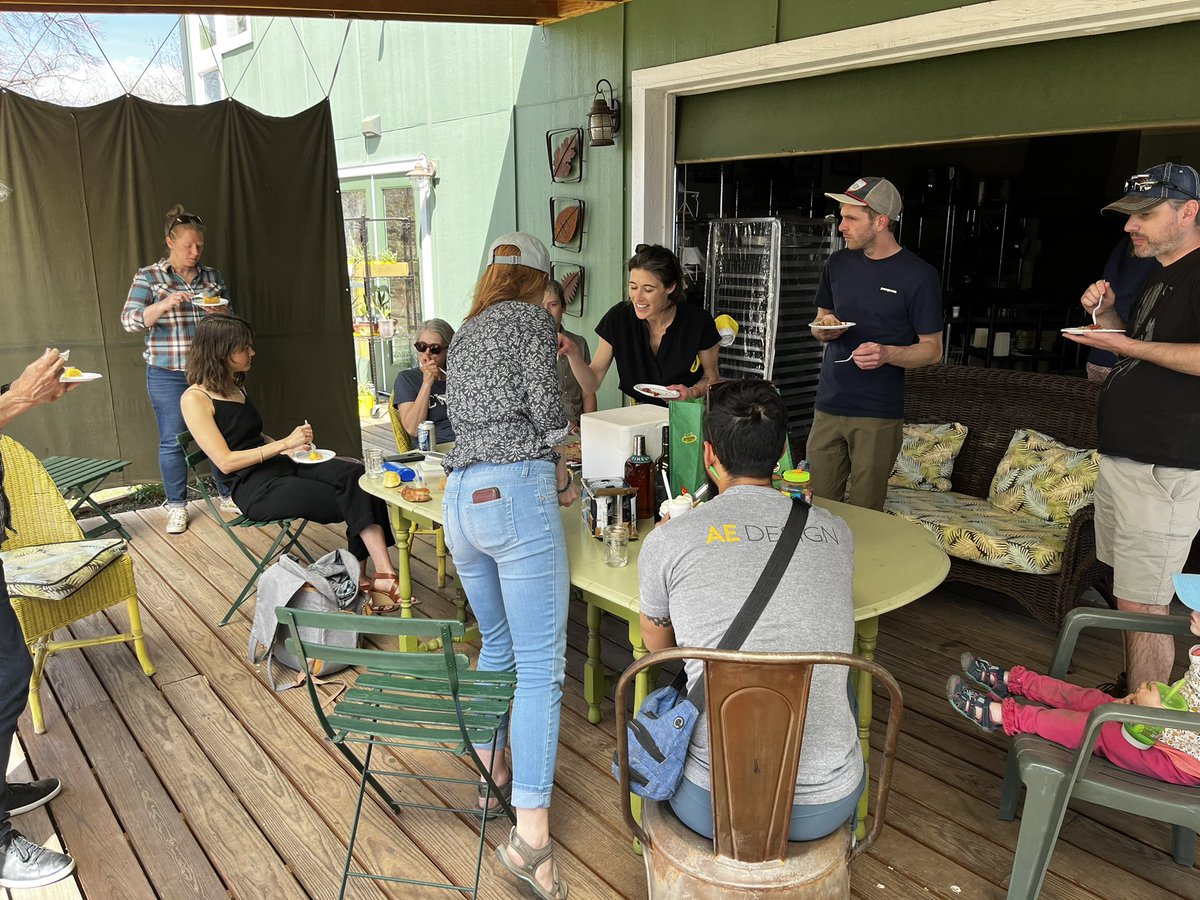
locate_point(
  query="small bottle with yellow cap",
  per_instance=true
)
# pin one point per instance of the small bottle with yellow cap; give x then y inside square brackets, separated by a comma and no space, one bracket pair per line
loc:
[797,483]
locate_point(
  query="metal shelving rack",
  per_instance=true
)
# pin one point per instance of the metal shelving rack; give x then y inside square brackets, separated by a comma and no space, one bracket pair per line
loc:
[764,272]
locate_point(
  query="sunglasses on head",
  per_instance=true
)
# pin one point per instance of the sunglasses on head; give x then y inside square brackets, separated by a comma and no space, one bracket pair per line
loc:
[185,219]
[1141,183]
[432,348]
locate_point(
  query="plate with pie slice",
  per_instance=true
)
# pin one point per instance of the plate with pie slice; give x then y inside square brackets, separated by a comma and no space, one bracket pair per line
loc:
[209,302]
[1088,329]
[312,457]
[74,376]
[836,327]
[657,391]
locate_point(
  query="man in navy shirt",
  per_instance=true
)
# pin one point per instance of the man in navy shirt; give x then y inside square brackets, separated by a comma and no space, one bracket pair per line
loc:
[894,299]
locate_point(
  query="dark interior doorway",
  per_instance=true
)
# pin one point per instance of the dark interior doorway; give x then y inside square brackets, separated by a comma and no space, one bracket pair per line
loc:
[1013,226]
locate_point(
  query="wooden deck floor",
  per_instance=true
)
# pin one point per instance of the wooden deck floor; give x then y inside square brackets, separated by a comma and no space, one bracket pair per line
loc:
[202,782]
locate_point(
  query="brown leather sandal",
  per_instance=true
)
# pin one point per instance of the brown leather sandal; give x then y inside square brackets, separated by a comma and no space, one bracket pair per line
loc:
[392,595]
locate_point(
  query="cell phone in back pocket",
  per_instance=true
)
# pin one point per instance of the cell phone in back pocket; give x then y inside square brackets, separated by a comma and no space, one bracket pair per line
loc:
[486,495]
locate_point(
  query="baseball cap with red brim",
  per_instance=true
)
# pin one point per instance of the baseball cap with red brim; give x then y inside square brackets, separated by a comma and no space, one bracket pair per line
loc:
[874,193]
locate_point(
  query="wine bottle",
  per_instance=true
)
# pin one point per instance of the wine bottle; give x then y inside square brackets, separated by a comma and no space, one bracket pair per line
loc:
[639,474]
[662,470]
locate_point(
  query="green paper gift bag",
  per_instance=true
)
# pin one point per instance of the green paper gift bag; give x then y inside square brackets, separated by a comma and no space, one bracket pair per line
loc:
[687,445]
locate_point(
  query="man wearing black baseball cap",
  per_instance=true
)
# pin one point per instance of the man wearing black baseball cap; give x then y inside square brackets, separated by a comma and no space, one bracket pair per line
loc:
[1148,491]
[891,302]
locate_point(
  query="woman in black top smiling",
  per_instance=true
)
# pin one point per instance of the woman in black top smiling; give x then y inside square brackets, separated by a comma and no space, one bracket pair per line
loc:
[655,338]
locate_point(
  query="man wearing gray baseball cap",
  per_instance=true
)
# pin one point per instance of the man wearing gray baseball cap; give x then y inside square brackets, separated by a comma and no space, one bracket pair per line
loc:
[879,312]
[1148,491]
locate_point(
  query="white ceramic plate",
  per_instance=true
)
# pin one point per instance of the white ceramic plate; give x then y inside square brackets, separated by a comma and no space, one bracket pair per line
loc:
[832,327]
[304,457]
[1093,331]
[78,379]
[221,301]
[657,391]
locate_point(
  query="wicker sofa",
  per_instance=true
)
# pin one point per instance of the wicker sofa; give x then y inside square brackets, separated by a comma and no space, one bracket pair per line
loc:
[993,403]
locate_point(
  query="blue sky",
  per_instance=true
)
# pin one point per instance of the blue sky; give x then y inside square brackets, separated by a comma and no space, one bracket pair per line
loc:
[133,35]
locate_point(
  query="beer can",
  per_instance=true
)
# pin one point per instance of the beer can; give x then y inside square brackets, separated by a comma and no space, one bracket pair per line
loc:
[425,433]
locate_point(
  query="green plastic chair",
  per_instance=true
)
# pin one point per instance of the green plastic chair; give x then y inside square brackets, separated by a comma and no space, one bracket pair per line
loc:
[429,701]
[285,539]
[1053,775]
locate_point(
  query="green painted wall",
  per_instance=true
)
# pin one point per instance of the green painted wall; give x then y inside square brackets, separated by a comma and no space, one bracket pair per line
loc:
[1031,89]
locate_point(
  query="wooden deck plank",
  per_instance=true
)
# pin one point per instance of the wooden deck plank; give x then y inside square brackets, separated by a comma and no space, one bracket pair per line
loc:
[234,844]
[104,862]
[427,832]
[166,848]
[37,826]
[284,725]
[314,856]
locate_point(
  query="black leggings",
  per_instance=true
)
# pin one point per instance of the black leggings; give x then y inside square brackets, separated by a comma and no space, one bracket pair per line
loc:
[326,492]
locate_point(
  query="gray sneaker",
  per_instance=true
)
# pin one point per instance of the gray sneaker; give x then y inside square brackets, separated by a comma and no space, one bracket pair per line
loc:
[24,864]
[177,519]
[24,796]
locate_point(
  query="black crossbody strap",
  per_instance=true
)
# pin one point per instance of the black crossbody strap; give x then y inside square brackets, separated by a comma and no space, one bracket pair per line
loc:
[744,622]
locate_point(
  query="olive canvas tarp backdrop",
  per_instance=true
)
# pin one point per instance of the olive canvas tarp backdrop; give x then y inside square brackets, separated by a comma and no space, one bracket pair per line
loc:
[90,191]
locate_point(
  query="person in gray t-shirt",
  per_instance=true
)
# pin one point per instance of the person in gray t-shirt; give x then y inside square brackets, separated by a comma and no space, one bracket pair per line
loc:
[695,572]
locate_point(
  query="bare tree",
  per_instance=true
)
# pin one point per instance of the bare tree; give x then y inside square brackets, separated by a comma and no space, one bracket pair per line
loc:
[47,55]
[163,81]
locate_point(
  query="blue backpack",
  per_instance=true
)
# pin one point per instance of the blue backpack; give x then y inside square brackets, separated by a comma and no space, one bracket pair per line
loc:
[661,731]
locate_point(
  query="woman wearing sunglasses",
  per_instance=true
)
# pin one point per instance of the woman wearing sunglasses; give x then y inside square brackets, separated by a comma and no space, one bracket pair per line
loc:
[166,302]
[420,392]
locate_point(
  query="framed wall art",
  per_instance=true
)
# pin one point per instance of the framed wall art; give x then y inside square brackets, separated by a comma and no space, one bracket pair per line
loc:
[566,223]
[564,154]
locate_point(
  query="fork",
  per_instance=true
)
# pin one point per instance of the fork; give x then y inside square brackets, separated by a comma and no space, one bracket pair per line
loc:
[847,359]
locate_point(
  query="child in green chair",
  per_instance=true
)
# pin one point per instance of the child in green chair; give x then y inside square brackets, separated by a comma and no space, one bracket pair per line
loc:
[1174,757]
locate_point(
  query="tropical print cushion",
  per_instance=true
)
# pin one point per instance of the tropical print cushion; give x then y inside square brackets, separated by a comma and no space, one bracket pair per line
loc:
[56,571]
[1042,477]
[971,528]
[927,455]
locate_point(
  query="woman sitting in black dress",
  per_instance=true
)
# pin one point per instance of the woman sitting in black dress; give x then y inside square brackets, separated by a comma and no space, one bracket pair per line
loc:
[267,483]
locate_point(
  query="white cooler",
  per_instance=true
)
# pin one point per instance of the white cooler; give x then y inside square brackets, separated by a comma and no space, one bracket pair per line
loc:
[607,437]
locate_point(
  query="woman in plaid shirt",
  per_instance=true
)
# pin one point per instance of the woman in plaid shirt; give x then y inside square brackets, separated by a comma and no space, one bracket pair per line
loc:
[164,302]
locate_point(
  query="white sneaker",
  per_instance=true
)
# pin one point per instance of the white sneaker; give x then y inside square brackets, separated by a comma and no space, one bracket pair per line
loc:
[177,519]
[229,506]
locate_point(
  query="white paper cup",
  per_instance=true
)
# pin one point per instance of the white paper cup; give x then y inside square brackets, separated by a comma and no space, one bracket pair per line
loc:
[678,506]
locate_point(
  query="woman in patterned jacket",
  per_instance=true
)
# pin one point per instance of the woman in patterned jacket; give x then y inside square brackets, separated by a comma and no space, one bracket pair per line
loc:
[503,528]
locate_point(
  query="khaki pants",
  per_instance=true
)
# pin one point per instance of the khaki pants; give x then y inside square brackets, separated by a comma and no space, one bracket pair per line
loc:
[856,450]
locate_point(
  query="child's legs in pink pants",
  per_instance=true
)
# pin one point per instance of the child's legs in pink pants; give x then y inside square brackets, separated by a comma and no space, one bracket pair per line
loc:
[1064,724]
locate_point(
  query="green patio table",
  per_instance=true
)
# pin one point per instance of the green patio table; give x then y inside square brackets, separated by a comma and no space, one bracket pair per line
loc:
[77,478]
[895,563]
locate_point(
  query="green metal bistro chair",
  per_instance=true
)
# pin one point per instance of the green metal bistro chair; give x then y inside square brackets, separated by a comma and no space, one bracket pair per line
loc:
[285,540]
[1053,775]
[429,701]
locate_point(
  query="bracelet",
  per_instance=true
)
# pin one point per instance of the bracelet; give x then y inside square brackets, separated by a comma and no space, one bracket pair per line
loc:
[260,456]
[566,487]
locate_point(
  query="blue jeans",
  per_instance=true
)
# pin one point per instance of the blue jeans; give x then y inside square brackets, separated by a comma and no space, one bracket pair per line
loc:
[166,387]
[511,558]
[693,805]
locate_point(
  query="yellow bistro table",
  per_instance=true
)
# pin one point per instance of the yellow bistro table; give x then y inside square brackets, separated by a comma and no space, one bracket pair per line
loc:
[895,563]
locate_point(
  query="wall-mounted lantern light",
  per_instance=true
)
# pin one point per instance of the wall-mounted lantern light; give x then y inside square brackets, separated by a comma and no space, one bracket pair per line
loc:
[604,119]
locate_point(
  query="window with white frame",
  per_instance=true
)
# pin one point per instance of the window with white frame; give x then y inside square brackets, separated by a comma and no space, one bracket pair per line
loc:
[222,33]
[210,39]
